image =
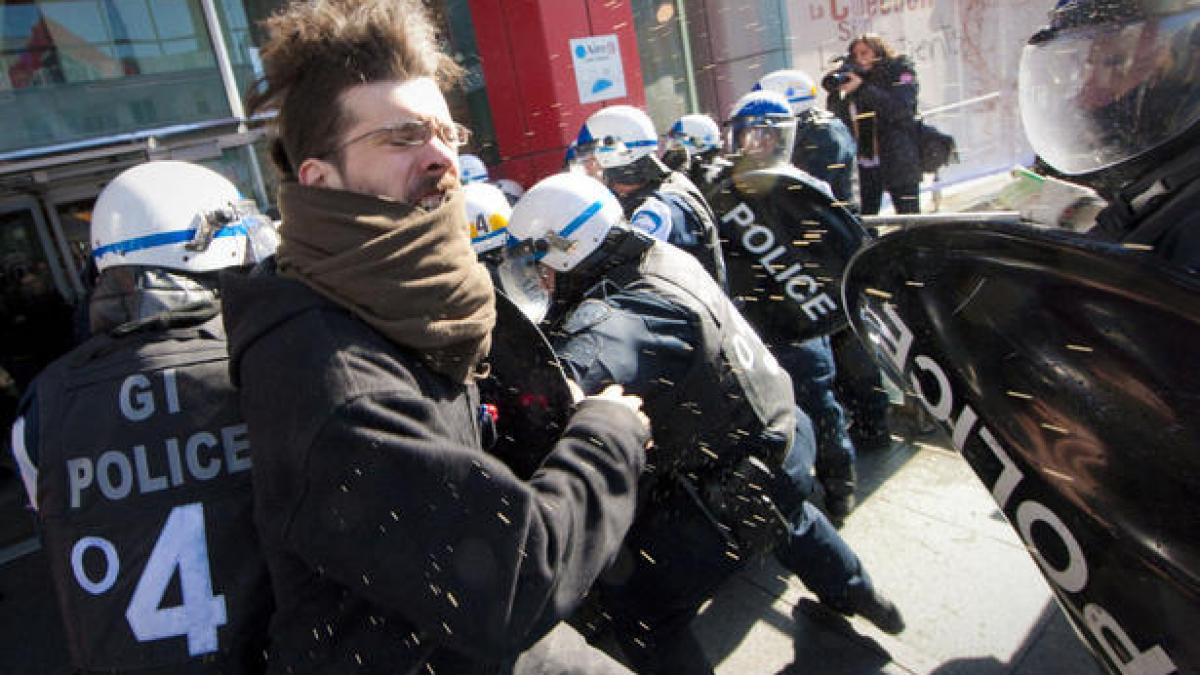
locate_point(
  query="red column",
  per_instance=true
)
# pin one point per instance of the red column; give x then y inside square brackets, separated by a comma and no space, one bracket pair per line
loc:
[527,67]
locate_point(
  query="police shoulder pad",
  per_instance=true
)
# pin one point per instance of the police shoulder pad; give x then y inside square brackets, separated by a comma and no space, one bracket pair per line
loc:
[587,314]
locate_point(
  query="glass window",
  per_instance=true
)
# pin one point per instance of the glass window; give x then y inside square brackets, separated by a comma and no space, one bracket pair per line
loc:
[468,102]
[77,69]
[240,22]
[664,68]
[35,320]
[75,219]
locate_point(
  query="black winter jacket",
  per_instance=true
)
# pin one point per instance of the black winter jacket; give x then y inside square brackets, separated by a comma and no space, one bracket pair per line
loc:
[889,91]
[395,544]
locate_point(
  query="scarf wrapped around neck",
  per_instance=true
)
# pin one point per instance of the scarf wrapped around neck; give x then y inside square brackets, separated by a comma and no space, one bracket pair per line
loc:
[408,272]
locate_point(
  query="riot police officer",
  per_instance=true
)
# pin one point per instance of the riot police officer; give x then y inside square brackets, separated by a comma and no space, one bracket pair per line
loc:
[762,128]
[621,144]
[824,146]
[488,213]
[693,144]
[132,448]
[1110,98]
[641,314]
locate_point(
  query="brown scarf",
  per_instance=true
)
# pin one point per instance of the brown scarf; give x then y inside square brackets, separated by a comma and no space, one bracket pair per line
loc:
[408,272]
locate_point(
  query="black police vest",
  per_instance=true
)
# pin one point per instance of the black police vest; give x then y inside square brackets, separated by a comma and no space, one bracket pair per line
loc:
[705,229]
[145,500]
[824,148]
[734,401]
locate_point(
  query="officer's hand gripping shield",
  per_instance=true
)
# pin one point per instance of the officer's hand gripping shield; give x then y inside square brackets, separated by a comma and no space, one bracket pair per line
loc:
[1067,372]
[788,246]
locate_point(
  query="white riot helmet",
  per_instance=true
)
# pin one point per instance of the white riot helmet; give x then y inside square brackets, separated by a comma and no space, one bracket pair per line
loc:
[617,137]
[511,189]
[796,85]
[179,216]
[696,133]
[558,223]
[471,169]
[566,217]
[762,128]
[488,214]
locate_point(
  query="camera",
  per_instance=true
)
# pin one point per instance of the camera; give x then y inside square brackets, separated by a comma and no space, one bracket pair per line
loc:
[834,80]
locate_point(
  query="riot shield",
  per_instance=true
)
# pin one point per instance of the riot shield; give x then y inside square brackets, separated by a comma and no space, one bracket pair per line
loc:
[1067,373]
[527,389]
[786,246]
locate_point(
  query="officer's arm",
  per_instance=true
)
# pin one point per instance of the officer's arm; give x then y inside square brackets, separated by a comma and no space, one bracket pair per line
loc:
[447,536]
[640,342]
[24,447]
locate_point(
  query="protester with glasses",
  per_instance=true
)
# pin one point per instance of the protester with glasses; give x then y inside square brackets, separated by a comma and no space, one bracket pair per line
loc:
[395,544]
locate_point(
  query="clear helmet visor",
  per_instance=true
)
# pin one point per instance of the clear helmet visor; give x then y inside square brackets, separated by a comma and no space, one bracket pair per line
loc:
[607,153]
[1095,96]
[765,140]
[241,218]
[525,281]
[680,142]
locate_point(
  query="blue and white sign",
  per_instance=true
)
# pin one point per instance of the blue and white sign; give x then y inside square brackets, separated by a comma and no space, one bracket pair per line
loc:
[599,74]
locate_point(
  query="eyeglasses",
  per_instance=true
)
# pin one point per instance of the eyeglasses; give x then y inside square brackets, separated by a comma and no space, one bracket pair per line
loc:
[414,133]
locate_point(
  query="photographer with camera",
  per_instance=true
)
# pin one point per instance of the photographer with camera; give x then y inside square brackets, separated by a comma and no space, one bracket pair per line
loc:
[874,91]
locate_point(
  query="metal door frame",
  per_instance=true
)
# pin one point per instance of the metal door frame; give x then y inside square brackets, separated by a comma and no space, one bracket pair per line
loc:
[34,206]
[54,198]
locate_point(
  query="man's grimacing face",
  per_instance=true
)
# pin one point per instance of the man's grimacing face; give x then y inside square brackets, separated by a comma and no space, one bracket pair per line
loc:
[372,165]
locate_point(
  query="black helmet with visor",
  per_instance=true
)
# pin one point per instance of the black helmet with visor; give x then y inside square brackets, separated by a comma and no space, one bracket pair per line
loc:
[1110,85]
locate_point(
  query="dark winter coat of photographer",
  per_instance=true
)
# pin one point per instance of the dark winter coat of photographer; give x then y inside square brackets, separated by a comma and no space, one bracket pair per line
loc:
[875,93]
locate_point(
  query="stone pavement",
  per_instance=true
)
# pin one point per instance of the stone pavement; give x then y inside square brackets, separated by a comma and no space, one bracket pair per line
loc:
[933,541]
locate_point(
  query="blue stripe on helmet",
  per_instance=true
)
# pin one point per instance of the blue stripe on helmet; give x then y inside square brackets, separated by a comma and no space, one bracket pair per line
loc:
[580,219]
[494,233]
[163,239]
[641,144]
[575,224]
[762,107]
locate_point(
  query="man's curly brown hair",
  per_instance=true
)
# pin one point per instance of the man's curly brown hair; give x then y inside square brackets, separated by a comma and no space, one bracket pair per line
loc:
[317,49]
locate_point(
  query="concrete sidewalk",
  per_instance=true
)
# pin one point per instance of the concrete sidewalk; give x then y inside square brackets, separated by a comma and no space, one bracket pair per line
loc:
[933,541]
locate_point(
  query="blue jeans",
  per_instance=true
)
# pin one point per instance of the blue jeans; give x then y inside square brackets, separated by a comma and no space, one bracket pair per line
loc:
[813,550]
[811,365]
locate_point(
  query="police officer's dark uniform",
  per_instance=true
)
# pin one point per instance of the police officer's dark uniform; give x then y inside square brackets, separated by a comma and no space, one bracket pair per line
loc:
[825,149]
[644,316]
[809,360]
[671,201]
[132,446]
[149,481]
